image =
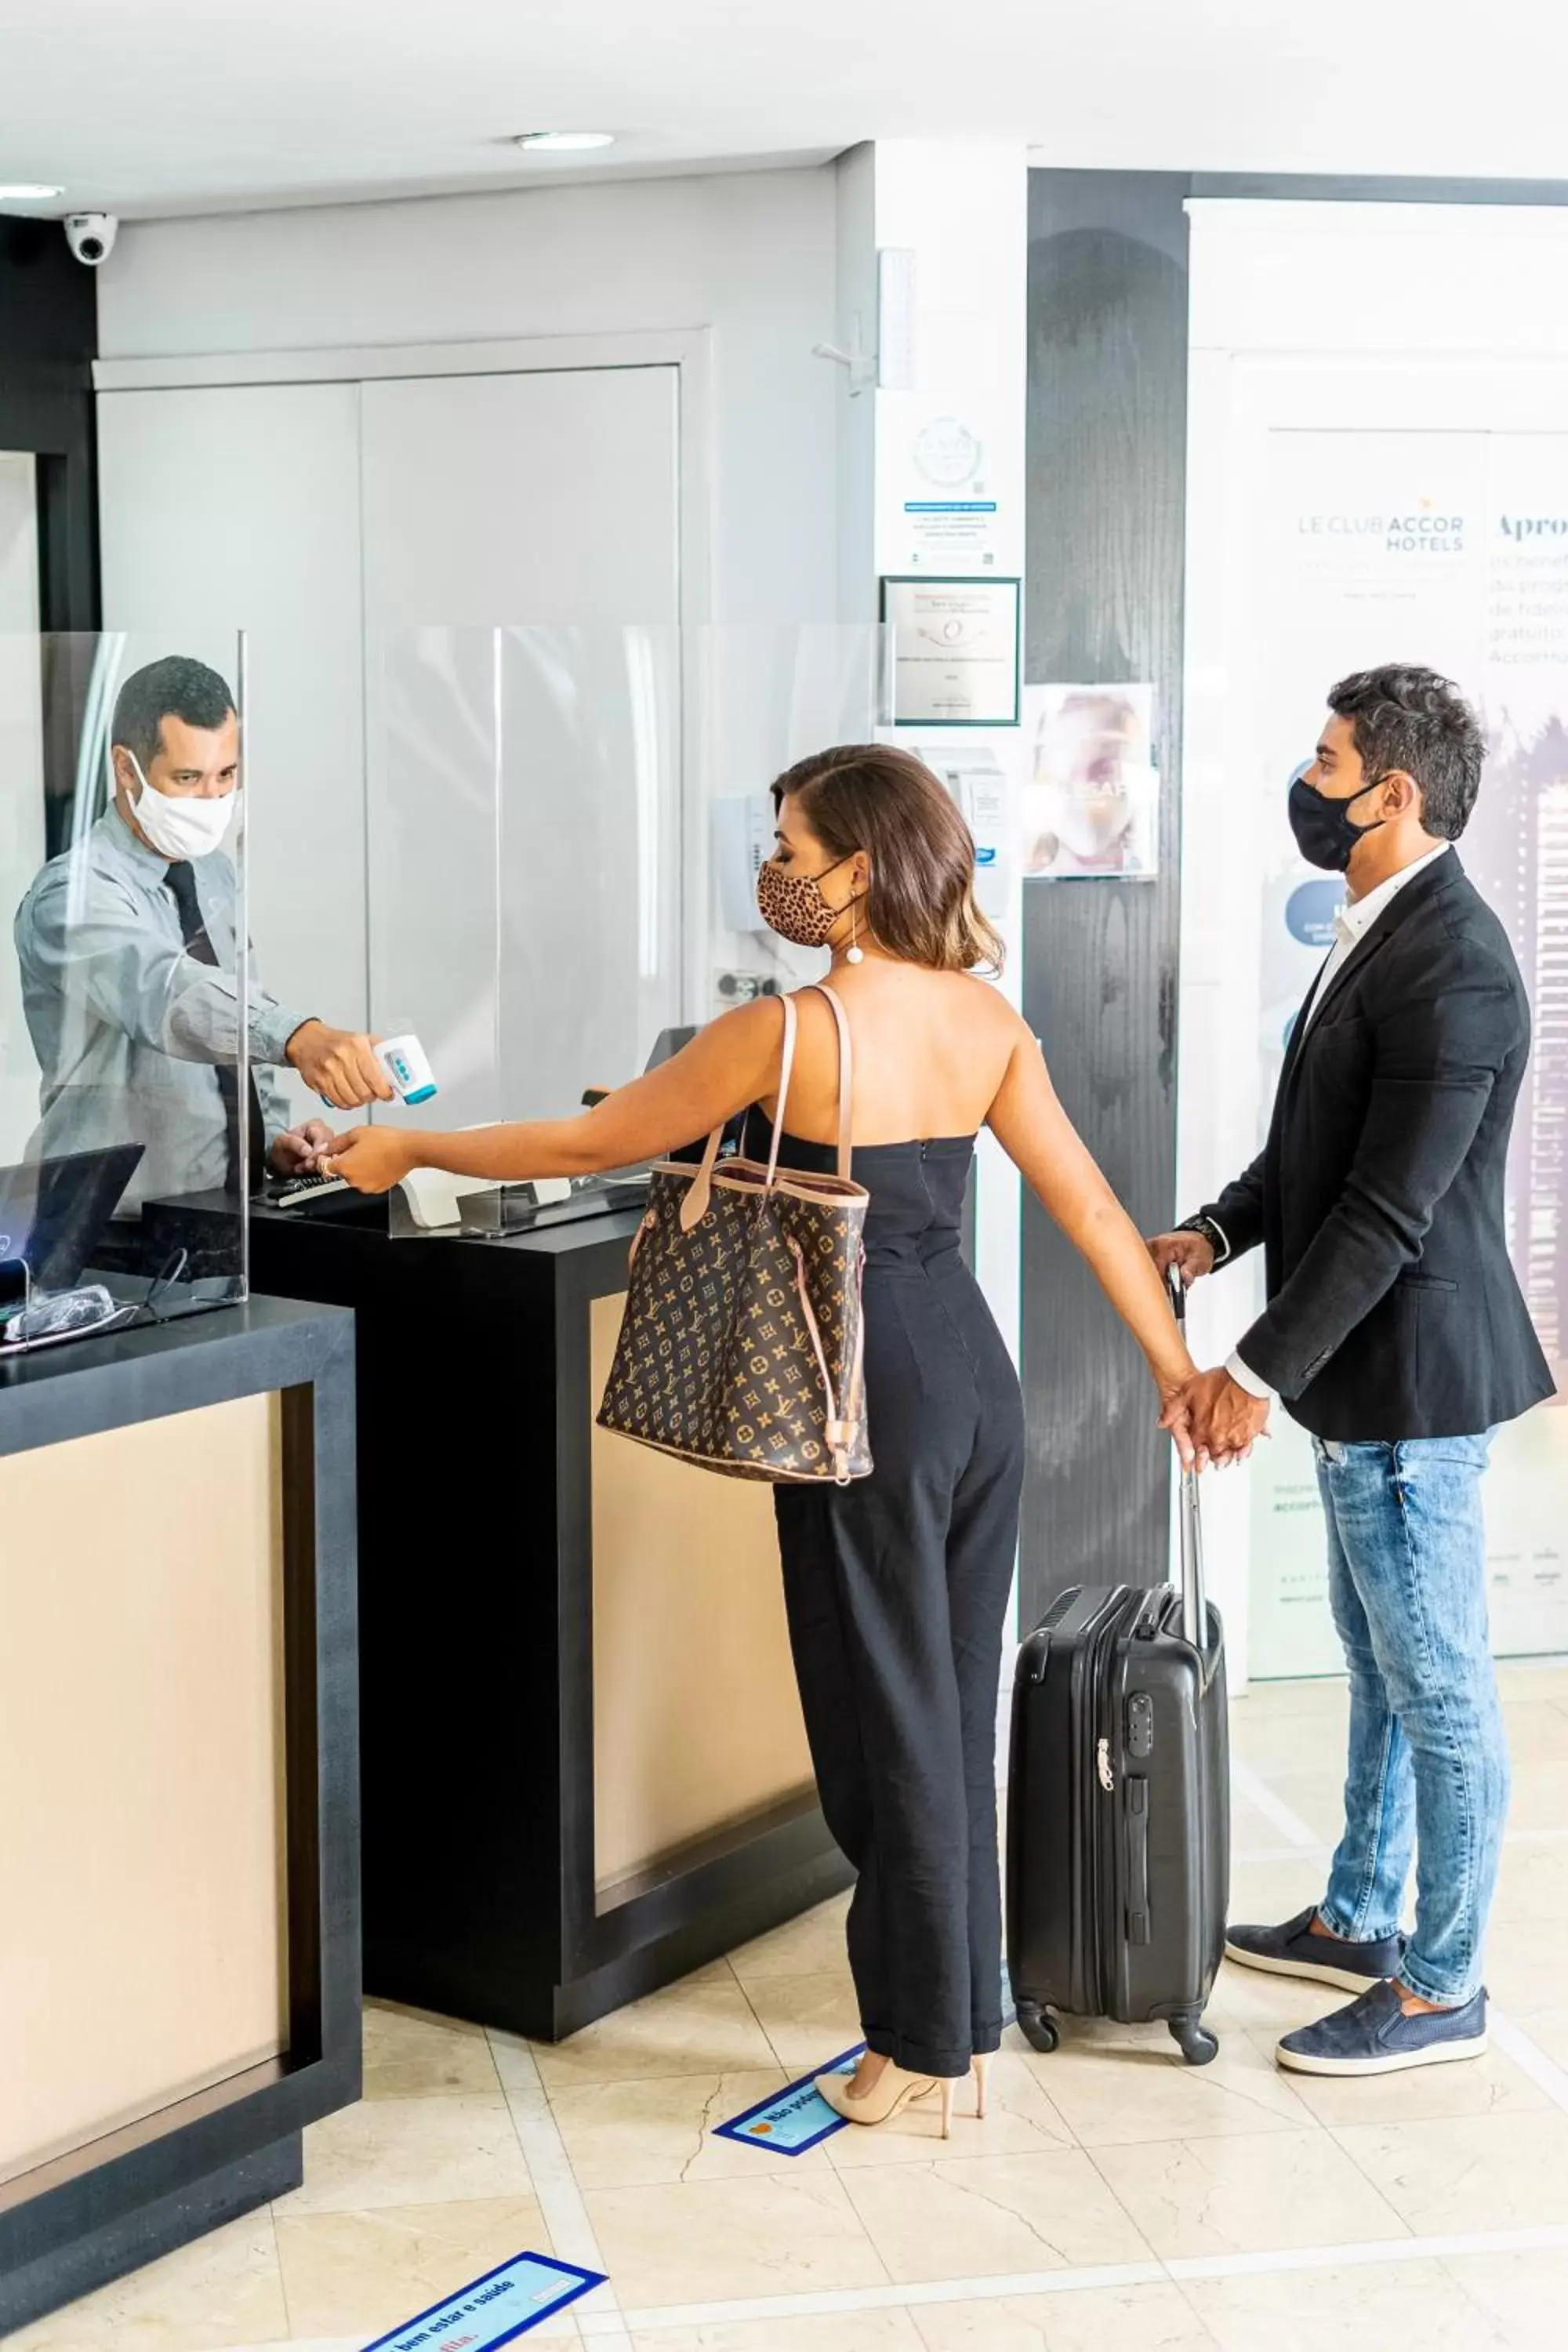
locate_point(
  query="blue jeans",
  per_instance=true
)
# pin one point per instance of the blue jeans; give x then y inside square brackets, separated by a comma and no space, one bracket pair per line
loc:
[1428,1758]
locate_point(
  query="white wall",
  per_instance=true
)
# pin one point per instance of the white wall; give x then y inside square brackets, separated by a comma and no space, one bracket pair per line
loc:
[857,416]
[750,260]
[750,255]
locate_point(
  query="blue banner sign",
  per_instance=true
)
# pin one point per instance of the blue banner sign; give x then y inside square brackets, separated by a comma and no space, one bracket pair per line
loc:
[795,2118]
[494,2309]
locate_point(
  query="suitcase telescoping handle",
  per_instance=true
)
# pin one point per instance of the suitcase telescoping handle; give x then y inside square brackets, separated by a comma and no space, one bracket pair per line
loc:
[1195,1599]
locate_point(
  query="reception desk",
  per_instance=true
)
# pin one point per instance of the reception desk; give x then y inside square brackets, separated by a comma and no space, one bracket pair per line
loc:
[179,1907]
[585,1769]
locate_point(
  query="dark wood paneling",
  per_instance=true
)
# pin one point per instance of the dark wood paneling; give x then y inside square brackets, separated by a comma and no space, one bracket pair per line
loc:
[1106,432]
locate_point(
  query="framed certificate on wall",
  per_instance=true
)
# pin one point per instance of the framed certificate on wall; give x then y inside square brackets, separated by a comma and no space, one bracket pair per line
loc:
[955,651]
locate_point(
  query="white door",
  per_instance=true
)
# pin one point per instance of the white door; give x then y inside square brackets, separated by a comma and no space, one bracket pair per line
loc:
[522,590]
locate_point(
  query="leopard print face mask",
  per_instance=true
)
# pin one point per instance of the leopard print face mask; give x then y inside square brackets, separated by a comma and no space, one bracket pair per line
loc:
[793,904]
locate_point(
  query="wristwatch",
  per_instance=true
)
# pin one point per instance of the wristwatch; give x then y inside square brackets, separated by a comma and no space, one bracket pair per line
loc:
[1212,1234]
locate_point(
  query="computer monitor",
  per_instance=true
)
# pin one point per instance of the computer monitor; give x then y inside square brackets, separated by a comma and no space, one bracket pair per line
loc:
[53,1214]
[667,1045]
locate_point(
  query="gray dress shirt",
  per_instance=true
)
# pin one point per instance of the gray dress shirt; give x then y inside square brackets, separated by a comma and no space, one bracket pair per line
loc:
[128,1029]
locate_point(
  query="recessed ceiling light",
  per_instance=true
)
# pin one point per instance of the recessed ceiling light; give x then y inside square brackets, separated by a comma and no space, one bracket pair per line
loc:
[27,192]
[559,142]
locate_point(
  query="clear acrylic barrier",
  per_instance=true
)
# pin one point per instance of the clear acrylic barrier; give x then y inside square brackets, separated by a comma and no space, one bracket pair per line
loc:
[565,830]
[127,1134]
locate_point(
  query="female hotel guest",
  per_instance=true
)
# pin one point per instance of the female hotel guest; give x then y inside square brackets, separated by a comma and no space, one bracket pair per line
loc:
[896,1585]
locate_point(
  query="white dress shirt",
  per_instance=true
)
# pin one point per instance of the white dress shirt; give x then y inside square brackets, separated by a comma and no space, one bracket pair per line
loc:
[1351,923]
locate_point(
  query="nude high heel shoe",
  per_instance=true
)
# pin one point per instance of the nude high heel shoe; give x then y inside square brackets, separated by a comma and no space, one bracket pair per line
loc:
[978,2065]
[894,2091]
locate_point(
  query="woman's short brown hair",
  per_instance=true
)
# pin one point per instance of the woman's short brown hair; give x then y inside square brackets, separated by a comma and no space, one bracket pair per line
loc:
[920,901]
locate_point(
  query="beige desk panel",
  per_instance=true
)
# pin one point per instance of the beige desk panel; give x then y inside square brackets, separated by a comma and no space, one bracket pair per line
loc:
[141,1827]
[696,1722]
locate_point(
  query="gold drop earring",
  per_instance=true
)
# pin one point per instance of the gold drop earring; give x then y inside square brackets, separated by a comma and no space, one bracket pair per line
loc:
[853,954]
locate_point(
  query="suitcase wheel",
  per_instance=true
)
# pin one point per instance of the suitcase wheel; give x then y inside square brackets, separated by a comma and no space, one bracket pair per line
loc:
[1196,2043]
[1038,2027]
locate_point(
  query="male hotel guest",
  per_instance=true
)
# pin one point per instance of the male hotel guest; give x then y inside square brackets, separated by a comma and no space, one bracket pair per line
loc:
[1395,1333]
[127,952]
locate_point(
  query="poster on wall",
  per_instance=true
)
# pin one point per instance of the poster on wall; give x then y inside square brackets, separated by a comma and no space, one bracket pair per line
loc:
[1449,549]
[1090,806]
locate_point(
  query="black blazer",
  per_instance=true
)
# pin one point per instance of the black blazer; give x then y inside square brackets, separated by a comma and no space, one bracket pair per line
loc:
[1393,1310]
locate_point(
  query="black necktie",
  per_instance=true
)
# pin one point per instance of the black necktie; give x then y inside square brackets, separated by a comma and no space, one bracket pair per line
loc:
[182,885]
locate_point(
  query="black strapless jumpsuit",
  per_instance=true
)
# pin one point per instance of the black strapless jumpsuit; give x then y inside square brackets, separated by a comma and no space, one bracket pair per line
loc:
[896,1589]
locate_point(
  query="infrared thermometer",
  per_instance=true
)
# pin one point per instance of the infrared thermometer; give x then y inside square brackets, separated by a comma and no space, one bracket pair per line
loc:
[407,1069]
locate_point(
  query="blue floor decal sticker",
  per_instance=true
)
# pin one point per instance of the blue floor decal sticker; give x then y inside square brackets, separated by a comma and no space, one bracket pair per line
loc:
[795,2118]
[494,2309]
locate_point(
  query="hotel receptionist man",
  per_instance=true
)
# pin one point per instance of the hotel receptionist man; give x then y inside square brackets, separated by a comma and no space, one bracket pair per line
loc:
[126,944]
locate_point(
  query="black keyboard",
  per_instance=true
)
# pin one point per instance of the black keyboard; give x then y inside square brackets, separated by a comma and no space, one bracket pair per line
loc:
[299,1191]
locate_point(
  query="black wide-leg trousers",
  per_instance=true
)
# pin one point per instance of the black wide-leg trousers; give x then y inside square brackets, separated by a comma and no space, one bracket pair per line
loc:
[897,1588]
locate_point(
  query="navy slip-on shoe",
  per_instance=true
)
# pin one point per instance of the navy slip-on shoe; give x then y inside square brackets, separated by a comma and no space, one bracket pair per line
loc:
[1373,2036]
[1293,1950]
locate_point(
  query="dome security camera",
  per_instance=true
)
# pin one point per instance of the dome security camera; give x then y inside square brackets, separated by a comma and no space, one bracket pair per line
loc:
[90,237]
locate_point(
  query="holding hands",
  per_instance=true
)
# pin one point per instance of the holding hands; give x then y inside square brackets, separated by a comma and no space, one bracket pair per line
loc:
[1211,1417]
[1220,1419]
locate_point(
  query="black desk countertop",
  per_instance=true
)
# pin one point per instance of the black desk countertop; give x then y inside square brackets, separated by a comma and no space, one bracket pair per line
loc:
[371,1217]
[146,1369]
[349,1257]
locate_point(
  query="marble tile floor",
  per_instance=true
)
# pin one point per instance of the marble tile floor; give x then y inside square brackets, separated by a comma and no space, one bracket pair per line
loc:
[1113,2198]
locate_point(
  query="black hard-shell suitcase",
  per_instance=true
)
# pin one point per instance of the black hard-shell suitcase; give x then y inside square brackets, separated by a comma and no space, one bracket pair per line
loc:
[1118,1806]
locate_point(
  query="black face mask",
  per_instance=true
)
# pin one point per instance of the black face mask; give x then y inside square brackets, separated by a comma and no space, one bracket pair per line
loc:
[1324,834]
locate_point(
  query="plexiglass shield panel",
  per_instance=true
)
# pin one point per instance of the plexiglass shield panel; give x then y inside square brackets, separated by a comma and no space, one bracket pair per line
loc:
[133,1113]
[565,827]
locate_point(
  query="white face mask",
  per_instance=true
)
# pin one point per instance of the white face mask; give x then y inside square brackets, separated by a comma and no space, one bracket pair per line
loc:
[187,827]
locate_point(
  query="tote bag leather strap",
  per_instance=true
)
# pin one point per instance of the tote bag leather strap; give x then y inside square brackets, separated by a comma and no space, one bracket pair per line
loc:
[787,1070]
[846,1075]
[694,1208]
[698,1192]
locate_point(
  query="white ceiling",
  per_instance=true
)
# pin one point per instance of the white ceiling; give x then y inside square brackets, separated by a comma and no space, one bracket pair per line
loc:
[145,107]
